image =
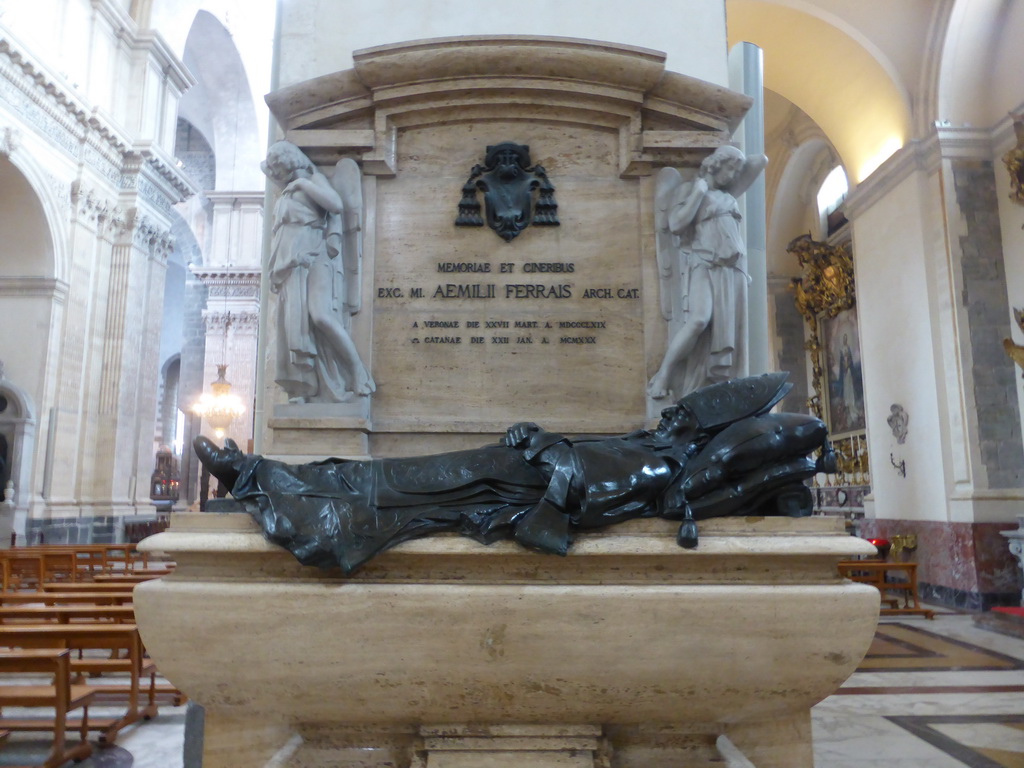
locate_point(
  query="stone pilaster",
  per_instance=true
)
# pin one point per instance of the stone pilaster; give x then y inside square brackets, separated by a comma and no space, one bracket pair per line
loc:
[231,276]
[128,382]
[790,354]
[232,325]
[96,223]
[987,308]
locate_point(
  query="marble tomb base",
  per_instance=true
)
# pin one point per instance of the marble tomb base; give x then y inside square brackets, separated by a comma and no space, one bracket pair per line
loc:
[445,653]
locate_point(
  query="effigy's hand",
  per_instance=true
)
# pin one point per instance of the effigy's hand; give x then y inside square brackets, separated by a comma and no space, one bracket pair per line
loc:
[518,435]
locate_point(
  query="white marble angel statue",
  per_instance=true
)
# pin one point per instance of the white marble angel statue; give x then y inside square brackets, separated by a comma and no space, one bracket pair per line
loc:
[314,269]
[702,263]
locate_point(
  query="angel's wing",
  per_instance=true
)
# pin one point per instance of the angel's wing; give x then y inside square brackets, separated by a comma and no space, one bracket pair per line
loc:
[666,187]
[348,182]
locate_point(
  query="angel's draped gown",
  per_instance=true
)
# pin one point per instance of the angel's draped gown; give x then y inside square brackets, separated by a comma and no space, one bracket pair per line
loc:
[306,273]
[718,248]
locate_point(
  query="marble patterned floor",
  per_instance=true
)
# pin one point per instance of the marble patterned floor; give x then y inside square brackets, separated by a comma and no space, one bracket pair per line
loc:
[930,694]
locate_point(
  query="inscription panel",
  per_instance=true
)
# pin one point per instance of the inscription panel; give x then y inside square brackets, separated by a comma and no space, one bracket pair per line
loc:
[472,331]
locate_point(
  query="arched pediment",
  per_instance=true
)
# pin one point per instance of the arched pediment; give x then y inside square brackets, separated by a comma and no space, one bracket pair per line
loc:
[663,118]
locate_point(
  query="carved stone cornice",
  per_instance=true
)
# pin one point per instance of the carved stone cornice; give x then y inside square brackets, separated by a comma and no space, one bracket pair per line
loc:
[161,167]
[916,155]
[148,235]
[88,205]
[964,142]
[218,322]
[10,140]
[229,282]
[663,118]
[45,102]
[46,91]
[33,287]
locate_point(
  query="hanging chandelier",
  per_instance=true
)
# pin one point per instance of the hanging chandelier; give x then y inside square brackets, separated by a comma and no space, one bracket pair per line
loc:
[221,407]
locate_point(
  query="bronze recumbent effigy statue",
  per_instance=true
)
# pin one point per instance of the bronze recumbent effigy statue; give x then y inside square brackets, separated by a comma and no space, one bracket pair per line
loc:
[716,452]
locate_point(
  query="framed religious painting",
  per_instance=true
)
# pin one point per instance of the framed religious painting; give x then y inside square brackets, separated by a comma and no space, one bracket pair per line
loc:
[825,295]
[844,384]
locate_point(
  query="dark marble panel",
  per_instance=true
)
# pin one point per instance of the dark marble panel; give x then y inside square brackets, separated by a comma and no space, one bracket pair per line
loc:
[965,600]
[75,530]
[968,558]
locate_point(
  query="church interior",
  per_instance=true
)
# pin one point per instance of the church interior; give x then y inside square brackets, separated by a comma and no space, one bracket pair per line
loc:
[136,224]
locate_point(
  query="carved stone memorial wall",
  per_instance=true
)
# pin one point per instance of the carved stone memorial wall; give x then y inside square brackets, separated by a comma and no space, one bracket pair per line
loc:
[553,311]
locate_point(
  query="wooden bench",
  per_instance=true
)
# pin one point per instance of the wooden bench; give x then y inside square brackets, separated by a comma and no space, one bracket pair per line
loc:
[65,614]
[132,577]
[23,569]
[89,586]
[60,696]
[79,597]
[876,573]
[125,557]
[28,567]
[108,636]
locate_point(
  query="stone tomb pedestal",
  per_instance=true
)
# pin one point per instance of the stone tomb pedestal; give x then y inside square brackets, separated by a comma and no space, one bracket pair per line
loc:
[445,653]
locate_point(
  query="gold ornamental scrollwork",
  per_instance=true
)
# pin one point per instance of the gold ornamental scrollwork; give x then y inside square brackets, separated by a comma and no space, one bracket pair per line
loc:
[825,289]
[1014,161]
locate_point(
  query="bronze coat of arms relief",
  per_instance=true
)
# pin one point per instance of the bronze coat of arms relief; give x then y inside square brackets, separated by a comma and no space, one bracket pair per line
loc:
[508,183]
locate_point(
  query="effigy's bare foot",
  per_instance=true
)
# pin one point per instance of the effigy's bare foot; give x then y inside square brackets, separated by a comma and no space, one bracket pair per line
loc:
[657,389]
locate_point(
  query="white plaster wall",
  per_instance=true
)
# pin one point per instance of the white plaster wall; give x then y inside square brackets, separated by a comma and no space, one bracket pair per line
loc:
[691,32]
[25,247]
[78,43]
[890,246]
[251,24]
[26,335]
[982,61]
[1003,83]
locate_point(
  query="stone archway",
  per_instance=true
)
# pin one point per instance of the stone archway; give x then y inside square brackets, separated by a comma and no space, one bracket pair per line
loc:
[17,444]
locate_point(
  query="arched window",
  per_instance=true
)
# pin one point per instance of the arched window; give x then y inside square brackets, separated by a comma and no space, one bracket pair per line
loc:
[831,195]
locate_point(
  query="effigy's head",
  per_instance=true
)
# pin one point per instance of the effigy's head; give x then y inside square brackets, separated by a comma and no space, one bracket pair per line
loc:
[284,159]
[723,164]
[677,422]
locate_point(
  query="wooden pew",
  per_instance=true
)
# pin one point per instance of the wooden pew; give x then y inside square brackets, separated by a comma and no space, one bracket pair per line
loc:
[27,567]
[62,697]
[107,636]
[125,557]
[876,573]
[65,614]
[90,586]
[24,569]
[133,577]
[78,597]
